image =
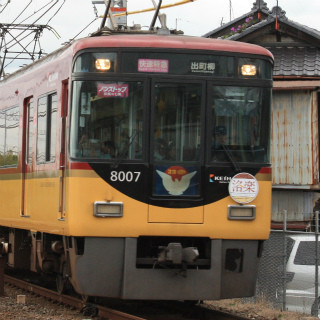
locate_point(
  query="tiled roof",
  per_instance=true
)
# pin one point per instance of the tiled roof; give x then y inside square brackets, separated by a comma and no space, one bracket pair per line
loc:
[296,47]
[296,61]
[258,6]
[310,31]
[251,29]
[282,21]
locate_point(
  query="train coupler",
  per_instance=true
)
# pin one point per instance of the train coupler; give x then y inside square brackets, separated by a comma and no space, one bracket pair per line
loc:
[175,254]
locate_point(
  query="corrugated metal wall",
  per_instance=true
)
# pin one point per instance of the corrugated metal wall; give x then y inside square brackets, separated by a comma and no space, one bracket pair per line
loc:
[299,204]
[315,137]
[295,138]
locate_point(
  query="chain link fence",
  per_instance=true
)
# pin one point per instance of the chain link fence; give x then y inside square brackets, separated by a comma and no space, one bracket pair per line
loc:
[288,272]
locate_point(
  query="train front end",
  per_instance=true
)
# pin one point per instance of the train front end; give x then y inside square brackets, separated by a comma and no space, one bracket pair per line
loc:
[168,184]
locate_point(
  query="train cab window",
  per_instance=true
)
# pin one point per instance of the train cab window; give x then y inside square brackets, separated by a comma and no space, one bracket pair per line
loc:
[47,128]
[9,137]
[176,139]
[107,120]
[238,131]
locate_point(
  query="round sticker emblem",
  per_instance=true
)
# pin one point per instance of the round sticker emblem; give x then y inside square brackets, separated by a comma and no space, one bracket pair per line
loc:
[243,188]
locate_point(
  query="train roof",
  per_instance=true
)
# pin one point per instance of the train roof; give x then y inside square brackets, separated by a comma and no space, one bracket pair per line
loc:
[170,41]
[126,40]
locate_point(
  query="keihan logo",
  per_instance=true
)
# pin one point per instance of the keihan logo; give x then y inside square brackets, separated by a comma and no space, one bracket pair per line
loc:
[176,180]
[219,179]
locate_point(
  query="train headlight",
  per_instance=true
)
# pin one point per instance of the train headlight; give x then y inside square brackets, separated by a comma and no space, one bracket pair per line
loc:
[103,64]
[103,209]
[248,70]
[247,212]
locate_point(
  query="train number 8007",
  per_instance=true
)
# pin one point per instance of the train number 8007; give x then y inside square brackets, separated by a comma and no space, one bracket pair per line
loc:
[125,176]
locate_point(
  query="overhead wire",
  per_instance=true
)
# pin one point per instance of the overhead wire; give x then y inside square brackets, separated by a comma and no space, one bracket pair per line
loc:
[35,12]
[84,28]
[56,1]
[26,7]
[8,1]
[21,22]
[64,1]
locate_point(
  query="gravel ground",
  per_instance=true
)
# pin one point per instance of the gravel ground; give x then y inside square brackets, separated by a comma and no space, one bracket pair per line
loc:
[34,308]
[40,308]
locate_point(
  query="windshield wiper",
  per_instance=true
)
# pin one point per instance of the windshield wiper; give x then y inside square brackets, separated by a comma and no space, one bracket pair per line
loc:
[125,150]
[231,159]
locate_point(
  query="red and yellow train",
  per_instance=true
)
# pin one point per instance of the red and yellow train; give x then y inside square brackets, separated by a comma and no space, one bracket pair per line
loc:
[137,166]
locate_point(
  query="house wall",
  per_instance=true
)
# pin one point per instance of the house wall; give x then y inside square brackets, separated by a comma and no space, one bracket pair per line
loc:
[268,38]
[295,145]
[295,154]
[299,204]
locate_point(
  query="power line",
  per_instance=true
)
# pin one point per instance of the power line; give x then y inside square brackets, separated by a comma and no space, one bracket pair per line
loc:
[64,1]
[84,28]
[15,42]
[25,8]
[8,1]
[35,12]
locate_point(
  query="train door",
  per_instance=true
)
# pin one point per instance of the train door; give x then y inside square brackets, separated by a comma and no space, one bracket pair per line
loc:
[27,160]
[62,159]
[176,135]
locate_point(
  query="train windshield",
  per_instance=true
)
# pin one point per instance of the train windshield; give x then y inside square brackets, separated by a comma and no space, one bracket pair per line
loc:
[107,120]
[170,126]
[239,127]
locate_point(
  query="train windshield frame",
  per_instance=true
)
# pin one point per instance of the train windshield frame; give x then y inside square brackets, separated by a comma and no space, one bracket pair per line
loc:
[129,115]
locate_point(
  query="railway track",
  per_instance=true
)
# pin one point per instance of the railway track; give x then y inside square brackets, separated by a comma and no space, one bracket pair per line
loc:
[134,310]
[102,312]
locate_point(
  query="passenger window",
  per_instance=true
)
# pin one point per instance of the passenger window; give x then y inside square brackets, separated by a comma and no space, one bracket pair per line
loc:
[47,128]
[29,131]
[9,137]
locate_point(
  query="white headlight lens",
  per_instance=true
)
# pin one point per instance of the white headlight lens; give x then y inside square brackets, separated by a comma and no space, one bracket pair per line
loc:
[103,64]
[248,70]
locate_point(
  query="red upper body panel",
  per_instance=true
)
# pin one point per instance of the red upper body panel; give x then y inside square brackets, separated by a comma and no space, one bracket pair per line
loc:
[171,41]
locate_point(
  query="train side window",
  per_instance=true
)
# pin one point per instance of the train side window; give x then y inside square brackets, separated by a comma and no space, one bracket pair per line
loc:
[9,137]
[53,126]
[30,127]
[47,128]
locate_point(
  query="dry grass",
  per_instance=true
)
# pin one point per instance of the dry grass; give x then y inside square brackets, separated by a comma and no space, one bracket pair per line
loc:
[260,310]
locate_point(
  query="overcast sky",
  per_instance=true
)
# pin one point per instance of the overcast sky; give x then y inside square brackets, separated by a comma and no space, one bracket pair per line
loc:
[195,18]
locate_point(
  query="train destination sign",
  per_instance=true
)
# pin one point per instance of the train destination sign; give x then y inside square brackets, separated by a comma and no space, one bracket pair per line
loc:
[153,65]
[178,63]
[203,67]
